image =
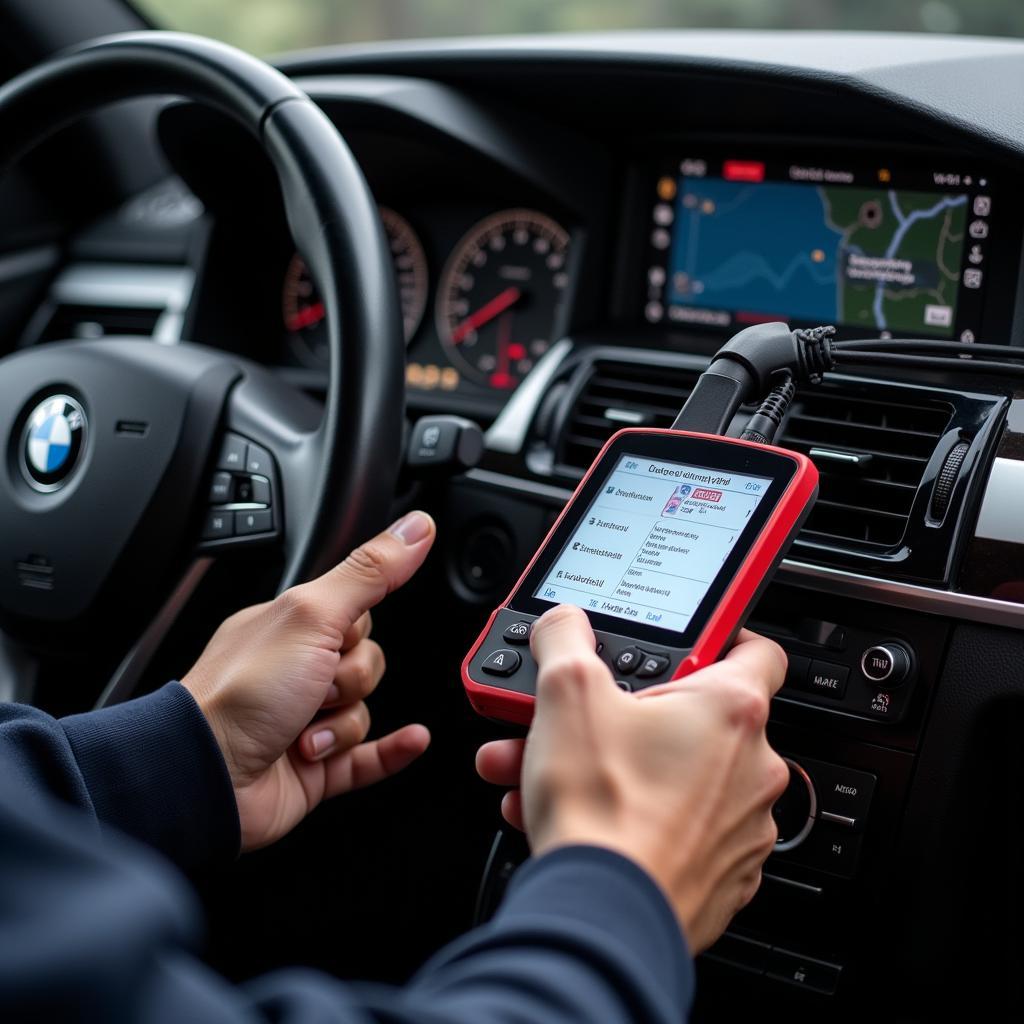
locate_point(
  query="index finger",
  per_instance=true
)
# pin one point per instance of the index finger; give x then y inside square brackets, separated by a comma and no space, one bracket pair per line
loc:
[562,632]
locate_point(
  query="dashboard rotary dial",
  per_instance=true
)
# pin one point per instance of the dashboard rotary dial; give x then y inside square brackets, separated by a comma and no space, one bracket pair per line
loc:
[502,296]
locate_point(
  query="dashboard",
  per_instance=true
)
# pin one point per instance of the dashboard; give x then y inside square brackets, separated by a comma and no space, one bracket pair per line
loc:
[576,225]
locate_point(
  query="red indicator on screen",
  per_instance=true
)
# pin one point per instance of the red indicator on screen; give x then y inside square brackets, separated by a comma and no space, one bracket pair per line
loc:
[743,170]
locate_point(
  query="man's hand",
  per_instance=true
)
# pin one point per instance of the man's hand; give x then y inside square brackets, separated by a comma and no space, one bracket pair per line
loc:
[680,777]
[271,668]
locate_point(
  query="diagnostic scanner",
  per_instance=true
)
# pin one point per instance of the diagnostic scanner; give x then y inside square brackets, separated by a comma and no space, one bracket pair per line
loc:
[666,544]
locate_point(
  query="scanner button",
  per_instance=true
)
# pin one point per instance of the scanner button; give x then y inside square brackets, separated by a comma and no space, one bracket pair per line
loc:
[517,633]
[628,660]
[652,665]
[502,663]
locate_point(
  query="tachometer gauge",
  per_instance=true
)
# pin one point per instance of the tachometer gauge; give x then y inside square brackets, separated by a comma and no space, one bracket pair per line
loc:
[502,296]
[304,310]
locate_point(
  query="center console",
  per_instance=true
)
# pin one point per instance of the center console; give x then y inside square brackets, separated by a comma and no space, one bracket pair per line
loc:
[907,243]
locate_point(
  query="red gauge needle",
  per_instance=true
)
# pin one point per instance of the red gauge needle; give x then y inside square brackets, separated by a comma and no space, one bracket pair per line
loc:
[486,313]
[306,317]
[501,378]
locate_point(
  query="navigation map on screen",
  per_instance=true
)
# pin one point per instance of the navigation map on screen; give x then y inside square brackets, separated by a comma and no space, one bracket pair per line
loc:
[739,247]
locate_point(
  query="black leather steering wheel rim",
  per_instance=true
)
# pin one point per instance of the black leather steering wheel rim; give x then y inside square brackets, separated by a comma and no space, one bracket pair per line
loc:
[351,468]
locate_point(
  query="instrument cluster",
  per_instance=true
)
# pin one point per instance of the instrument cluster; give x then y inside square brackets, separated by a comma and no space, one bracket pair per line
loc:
[477,313]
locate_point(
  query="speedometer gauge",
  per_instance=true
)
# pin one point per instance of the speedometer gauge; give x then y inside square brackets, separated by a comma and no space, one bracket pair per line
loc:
[303,308]
[502,296]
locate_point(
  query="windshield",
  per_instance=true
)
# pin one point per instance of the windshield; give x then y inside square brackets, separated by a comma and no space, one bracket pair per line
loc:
[269,26]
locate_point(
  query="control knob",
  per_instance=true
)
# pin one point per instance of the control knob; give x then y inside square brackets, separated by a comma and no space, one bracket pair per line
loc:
[888,662]
[796,810]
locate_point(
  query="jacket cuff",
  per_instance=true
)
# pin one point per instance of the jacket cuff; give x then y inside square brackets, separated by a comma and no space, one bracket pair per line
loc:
[605,893]
[154,771]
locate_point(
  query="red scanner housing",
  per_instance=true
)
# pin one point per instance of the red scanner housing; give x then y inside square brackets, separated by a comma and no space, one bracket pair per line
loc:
[747,570]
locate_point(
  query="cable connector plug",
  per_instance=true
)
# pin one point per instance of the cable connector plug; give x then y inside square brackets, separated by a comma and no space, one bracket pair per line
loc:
[816,353]
[763,425]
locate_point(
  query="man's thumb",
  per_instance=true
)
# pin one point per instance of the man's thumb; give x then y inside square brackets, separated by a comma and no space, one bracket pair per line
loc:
[374,569]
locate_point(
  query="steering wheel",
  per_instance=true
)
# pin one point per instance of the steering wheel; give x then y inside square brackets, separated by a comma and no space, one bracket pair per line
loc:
[123,460]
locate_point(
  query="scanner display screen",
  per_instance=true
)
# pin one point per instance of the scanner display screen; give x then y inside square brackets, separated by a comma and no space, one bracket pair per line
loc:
[653,541]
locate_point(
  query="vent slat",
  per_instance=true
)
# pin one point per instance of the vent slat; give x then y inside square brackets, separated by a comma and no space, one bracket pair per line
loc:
[79,322]
[655,393]
[866,507]
[870,505]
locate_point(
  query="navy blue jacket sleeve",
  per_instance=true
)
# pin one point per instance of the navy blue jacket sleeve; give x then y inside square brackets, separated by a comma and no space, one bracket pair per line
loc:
[97,927]
[149,768]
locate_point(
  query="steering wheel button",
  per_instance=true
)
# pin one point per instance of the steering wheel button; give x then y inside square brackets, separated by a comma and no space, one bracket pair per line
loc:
[232,453]
[220,489]
[218,525]
[261,490]
[502,662]
[257,521]
[628,660]
[652,665]
[243,489]
[517,633]
[257,460]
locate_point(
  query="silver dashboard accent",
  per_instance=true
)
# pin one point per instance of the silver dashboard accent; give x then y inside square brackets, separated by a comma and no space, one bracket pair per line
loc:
[509,430]
[128,286]
[1000,516]
[782,845]
[838,819]
[630,416]
[817,890]
[888,672]
[930,600]
[849,458]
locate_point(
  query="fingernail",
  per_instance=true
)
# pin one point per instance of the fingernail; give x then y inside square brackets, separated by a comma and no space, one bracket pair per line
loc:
[322,740]
[411,528]
[333,693]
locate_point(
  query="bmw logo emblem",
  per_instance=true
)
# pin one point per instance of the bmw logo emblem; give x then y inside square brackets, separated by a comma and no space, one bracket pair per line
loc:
[52,442]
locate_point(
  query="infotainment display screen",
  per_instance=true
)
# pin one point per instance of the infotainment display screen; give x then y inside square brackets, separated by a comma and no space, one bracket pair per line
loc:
[878,251]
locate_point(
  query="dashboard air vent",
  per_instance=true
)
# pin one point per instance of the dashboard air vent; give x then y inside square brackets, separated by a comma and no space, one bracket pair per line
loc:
[871,456]
[618,395]
[82,322]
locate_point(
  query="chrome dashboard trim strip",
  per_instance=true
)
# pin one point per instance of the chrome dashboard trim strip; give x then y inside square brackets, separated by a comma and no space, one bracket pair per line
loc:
[1000,516]
[913,596]
[509,430]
